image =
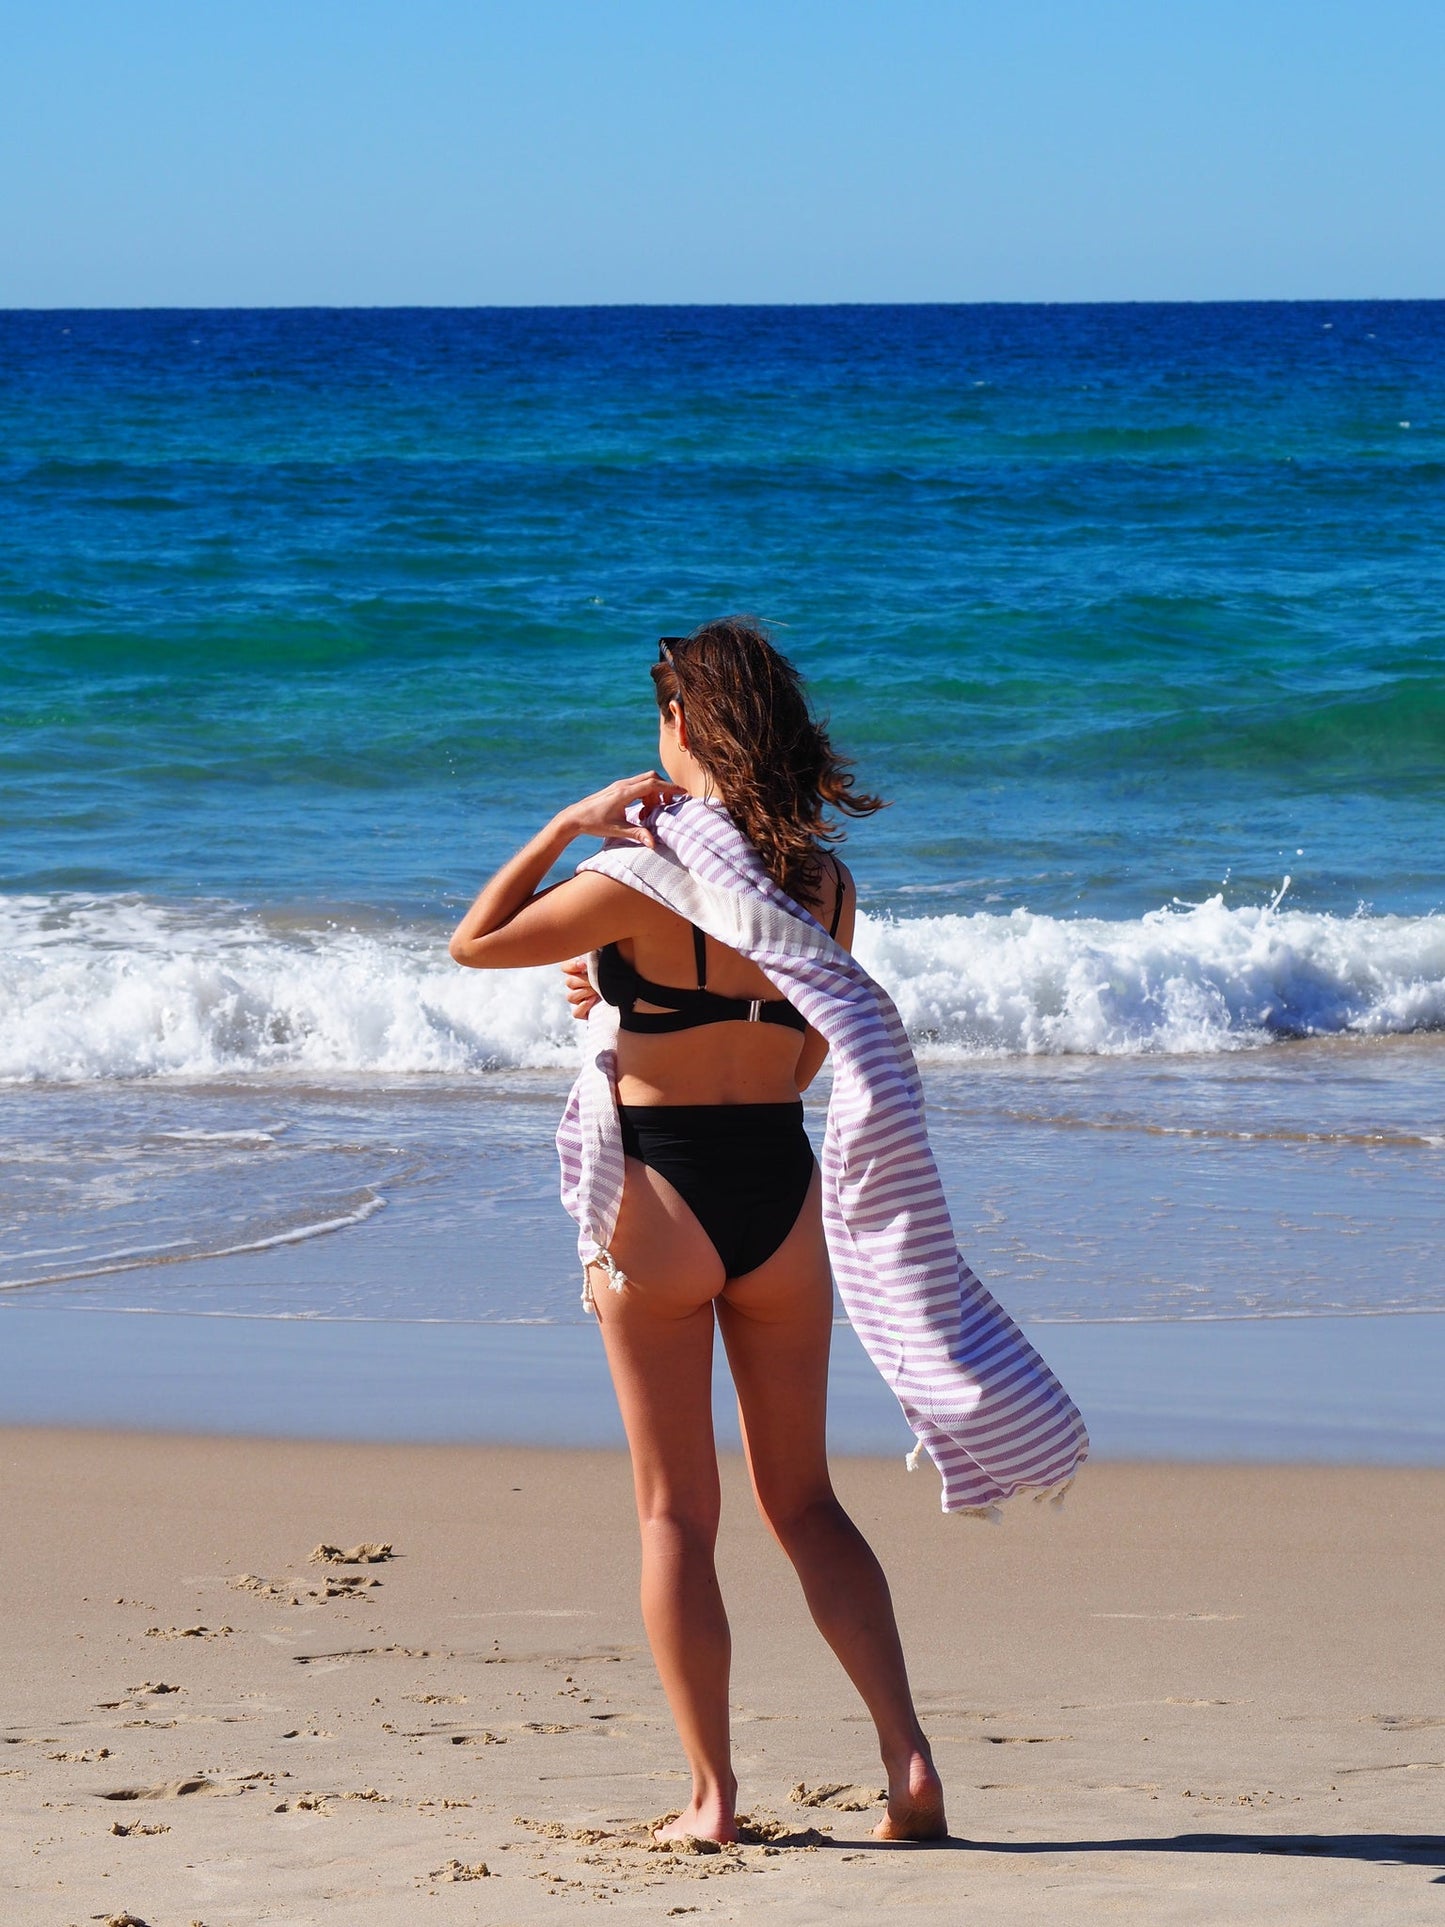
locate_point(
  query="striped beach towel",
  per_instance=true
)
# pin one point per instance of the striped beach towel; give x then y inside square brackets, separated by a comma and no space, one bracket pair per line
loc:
[981,1402]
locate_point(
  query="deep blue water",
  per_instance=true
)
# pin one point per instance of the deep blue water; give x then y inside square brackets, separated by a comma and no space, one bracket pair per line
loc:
[1115,603]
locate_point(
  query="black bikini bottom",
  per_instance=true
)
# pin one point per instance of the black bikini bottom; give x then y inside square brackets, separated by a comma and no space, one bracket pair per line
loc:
[743,1170]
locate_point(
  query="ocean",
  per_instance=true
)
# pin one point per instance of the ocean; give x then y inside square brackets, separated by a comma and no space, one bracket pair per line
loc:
[1136,615]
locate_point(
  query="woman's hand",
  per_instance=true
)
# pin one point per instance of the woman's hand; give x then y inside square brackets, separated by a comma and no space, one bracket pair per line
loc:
[604,814]
[578,986]
[510,922]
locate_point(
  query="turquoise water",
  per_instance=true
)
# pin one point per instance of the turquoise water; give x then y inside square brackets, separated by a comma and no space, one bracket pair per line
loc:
[1134,613]
[1115,603]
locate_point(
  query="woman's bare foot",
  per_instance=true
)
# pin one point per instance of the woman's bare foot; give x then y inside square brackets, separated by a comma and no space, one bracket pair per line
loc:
[709,1817]
[915,1803]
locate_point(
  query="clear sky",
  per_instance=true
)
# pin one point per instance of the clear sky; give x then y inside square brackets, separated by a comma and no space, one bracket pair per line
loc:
[272,152]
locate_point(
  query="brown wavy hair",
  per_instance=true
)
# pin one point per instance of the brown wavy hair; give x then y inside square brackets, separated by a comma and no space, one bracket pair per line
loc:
[749,725]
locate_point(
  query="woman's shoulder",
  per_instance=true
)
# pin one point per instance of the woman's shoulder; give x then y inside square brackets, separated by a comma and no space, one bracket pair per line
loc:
[840,876]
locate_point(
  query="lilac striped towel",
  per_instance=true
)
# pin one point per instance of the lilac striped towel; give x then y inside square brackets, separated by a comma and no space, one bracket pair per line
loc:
[981,1402]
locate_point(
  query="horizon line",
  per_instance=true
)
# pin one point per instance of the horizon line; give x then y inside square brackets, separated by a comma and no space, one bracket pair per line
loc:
[575,307]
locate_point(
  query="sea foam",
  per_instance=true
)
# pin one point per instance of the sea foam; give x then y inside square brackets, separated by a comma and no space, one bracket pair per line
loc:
[91,988]
[1200,977]
[95,988]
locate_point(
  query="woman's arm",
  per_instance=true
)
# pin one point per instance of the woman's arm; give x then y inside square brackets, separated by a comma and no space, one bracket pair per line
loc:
[815,1045]
[510,925]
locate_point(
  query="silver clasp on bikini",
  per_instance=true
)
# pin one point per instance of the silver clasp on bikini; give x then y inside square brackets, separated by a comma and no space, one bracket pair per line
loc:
[755,1010]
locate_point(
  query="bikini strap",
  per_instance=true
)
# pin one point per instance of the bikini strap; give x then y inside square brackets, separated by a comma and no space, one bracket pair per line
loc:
[699,950]
[838,895]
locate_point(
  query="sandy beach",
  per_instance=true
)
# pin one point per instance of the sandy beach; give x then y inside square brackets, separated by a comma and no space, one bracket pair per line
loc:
[1197,1694]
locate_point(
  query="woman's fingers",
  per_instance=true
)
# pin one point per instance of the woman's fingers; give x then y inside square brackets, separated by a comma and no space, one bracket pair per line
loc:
[578,986]
[655,792]
[649,789]
[605,814]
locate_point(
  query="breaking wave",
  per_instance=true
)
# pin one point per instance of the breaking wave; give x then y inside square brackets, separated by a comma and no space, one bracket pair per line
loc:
[122,987]
[1198,977]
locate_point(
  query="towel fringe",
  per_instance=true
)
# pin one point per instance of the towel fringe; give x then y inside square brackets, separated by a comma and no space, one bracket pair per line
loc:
[616,1278]
[915,1457]
[1052,1495]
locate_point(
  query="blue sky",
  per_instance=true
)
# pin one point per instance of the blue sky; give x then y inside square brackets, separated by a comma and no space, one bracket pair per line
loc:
[157,153]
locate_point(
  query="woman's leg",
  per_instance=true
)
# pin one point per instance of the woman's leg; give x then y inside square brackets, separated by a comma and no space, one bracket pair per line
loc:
[777,1324]
[658,1333]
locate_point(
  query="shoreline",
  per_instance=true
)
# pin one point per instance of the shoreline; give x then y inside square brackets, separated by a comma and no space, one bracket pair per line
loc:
[1197,1693]
[1352,1390]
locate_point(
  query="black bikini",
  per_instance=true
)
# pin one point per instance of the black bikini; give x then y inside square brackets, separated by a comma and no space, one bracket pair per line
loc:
[742,1169]
[684,1009]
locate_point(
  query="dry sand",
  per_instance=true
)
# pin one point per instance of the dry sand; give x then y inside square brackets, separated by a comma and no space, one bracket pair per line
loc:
[1198,1694]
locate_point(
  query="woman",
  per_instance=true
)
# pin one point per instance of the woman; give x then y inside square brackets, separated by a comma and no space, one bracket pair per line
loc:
[720,1217]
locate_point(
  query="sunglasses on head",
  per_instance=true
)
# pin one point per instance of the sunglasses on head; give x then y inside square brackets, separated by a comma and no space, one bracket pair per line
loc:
[665,647]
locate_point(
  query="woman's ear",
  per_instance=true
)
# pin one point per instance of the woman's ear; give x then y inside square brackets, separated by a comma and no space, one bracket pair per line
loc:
[680,722]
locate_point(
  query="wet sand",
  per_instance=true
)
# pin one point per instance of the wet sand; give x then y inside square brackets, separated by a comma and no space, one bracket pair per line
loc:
[1347,1391]
[1198,1694]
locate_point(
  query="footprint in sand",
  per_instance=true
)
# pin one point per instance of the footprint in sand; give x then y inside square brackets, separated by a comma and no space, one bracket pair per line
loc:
[295,1592]
[172,1790]
[841,1796]
[266,1588]
[753,1831]
[322,1802]
[342,1586]
[134,1695]
[328,1662]
[1023,1739]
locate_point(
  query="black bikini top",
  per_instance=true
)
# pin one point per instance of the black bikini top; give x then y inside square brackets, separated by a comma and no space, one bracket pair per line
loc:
[684,1008]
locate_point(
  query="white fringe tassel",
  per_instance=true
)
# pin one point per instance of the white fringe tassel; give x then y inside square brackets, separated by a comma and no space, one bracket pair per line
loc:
[616,1276]
[616,1279]
[1053,1496]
